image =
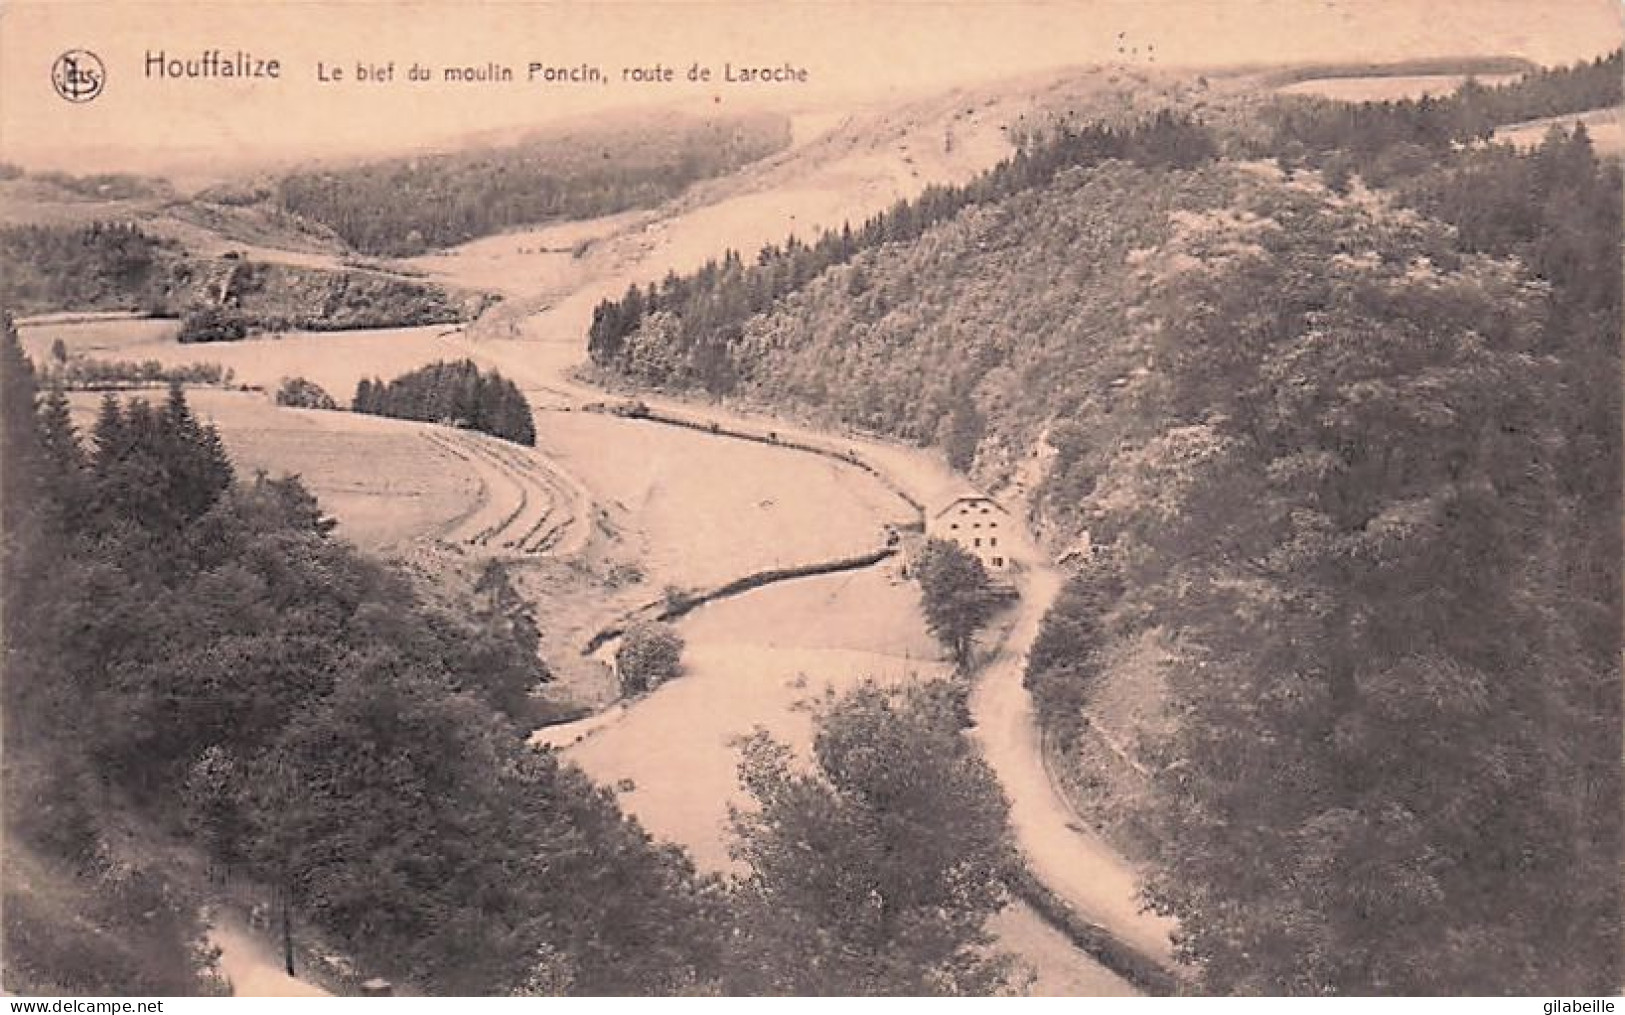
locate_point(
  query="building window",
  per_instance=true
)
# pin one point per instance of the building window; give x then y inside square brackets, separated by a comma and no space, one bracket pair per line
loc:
[978,542]
[953,525]
[993,540]
[975,525]
[998,561]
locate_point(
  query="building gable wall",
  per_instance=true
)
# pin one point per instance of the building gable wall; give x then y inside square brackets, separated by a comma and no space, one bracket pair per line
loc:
[977,525]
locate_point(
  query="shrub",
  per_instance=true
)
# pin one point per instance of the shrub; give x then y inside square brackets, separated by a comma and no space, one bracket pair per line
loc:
[650,654]
[212,324]
[303,394]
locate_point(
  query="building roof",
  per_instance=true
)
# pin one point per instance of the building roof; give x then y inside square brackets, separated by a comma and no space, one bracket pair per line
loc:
[967,498]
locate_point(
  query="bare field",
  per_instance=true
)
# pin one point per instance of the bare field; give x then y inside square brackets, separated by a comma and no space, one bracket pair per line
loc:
[763,659]
[334,359]
[386,481]
[525,262]
[108,337]
[524,505]
[381,479]
[1602,124]
[1389,89]
[710,509]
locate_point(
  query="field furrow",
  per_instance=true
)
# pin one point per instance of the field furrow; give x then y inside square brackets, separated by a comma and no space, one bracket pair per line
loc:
[524,505]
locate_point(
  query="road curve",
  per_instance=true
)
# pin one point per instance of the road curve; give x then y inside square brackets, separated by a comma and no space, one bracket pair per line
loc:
[1067,857]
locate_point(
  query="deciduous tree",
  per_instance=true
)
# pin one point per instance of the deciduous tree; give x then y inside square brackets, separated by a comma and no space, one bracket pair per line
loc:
[875,871]
[956,595]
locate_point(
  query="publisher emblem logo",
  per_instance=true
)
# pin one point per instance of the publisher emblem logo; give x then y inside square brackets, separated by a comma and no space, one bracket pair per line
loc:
[78,75]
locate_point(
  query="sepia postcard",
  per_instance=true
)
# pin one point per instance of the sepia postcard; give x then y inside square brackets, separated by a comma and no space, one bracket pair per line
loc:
[647,499]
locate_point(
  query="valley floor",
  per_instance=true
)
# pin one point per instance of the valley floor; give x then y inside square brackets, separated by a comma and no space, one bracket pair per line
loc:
[687,509]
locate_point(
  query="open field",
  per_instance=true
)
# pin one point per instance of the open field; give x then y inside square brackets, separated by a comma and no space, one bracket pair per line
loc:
[387,481]
[382,479]
[525,262]
[1603,125]
[1389,89]
[763,659]
[523,506]
[336,360]
[709,509]
[106,337]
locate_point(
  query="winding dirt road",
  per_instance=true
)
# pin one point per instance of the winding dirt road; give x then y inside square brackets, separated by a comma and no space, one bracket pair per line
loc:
[251,967]
[1069,858]
[1066,856]
[540,345]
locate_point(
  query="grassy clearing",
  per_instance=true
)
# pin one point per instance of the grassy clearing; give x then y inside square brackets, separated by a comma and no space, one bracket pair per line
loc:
[334,360]
[119,338]
[1604,126]
[705,510]
[762,659]
[383,480]
[1386,88]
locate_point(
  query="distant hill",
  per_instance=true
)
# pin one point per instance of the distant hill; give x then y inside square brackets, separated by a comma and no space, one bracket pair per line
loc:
[104,266]
[318,215]
[1007,303]
[1456,65]
[404,206]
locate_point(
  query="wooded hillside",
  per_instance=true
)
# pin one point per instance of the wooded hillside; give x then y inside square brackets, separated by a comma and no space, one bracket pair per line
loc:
[402,207]
[199,651]
[197,657]
[1341,413]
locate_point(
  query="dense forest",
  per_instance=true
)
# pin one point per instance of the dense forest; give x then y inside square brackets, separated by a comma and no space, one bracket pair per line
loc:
[198,656]
[687,331]
[455,393]
[1386,142]
[682,332]
[1337,402]
[203,650]
[403,207]
[95,267]
[1365,496]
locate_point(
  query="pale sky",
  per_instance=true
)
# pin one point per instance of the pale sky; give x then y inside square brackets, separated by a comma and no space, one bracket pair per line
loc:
[851,51]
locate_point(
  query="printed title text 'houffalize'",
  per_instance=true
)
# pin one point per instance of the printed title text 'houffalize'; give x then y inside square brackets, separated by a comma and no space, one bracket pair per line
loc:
[237,64]
[210,64]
